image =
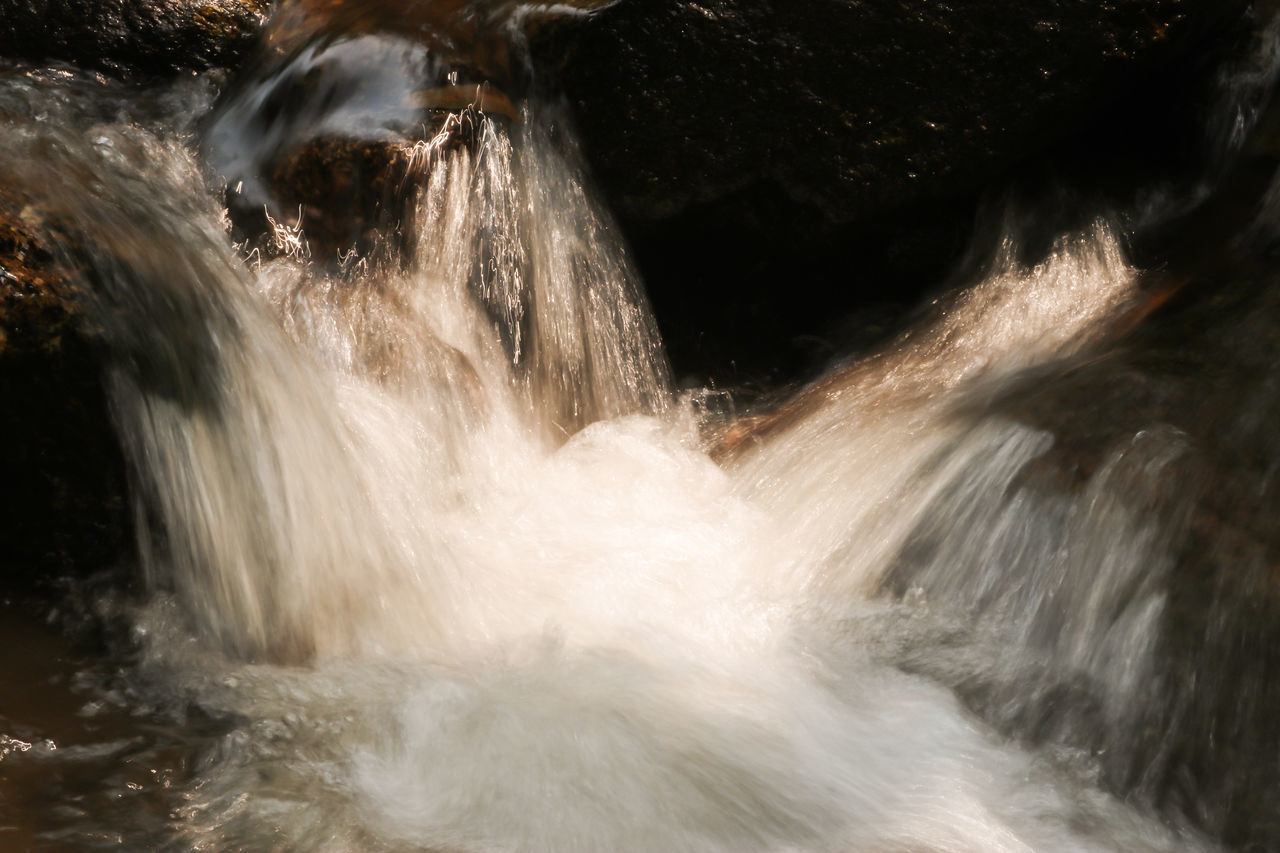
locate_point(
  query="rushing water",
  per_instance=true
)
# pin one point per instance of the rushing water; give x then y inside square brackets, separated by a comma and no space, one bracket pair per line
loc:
[438,558]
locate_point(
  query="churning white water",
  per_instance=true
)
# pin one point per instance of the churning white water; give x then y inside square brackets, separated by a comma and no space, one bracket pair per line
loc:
[446,549]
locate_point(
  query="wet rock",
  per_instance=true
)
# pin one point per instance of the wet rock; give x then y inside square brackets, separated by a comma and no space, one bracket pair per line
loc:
[323,128]
[851,106]
[351,193]
[36,303]
[834,150]
[64,507]
[455,32]
[342,190]
[156,36]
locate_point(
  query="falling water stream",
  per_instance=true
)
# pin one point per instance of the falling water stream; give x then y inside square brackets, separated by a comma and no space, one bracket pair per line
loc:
[437,557]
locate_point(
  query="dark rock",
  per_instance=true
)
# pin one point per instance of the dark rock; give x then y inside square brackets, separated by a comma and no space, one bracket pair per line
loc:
[850,106]
[36,304]
[64,507]
[340,187]
[154,36]
[833,151]
[322,128]
[351,194]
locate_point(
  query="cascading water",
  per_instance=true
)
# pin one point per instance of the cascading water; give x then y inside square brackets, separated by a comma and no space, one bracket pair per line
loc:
[436,543]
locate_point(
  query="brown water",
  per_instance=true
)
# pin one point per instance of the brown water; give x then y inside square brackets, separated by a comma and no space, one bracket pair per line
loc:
[81,762]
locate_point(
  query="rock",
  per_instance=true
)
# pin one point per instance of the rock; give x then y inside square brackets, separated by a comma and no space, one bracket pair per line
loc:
[153,36]
[454,32]
[321,131]
[351,194]
[64,504]
[339,186]
[36,302]
[849,107]
[832,152]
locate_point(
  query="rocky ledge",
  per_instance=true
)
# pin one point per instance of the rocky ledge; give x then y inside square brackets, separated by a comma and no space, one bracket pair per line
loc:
[64,504]
[149,36]
[835,150]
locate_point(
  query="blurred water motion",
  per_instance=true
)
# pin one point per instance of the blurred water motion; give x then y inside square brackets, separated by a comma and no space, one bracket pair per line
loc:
[438,558]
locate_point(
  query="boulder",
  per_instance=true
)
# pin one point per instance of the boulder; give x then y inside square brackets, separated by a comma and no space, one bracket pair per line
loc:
[152,36]
[832,152]
[323,126]
[851,107]
[64,506]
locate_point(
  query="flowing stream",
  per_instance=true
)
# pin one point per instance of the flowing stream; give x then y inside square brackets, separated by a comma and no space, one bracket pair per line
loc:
[437,557]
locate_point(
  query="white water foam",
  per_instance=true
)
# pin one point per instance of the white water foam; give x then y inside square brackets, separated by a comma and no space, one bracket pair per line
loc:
[493,592]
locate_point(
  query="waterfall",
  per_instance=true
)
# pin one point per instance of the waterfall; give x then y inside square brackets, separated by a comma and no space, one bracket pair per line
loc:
[436,538]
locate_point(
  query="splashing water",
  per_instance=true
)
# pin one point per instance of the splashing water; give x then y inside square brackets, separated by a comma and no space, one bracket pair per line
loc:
[446,548]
